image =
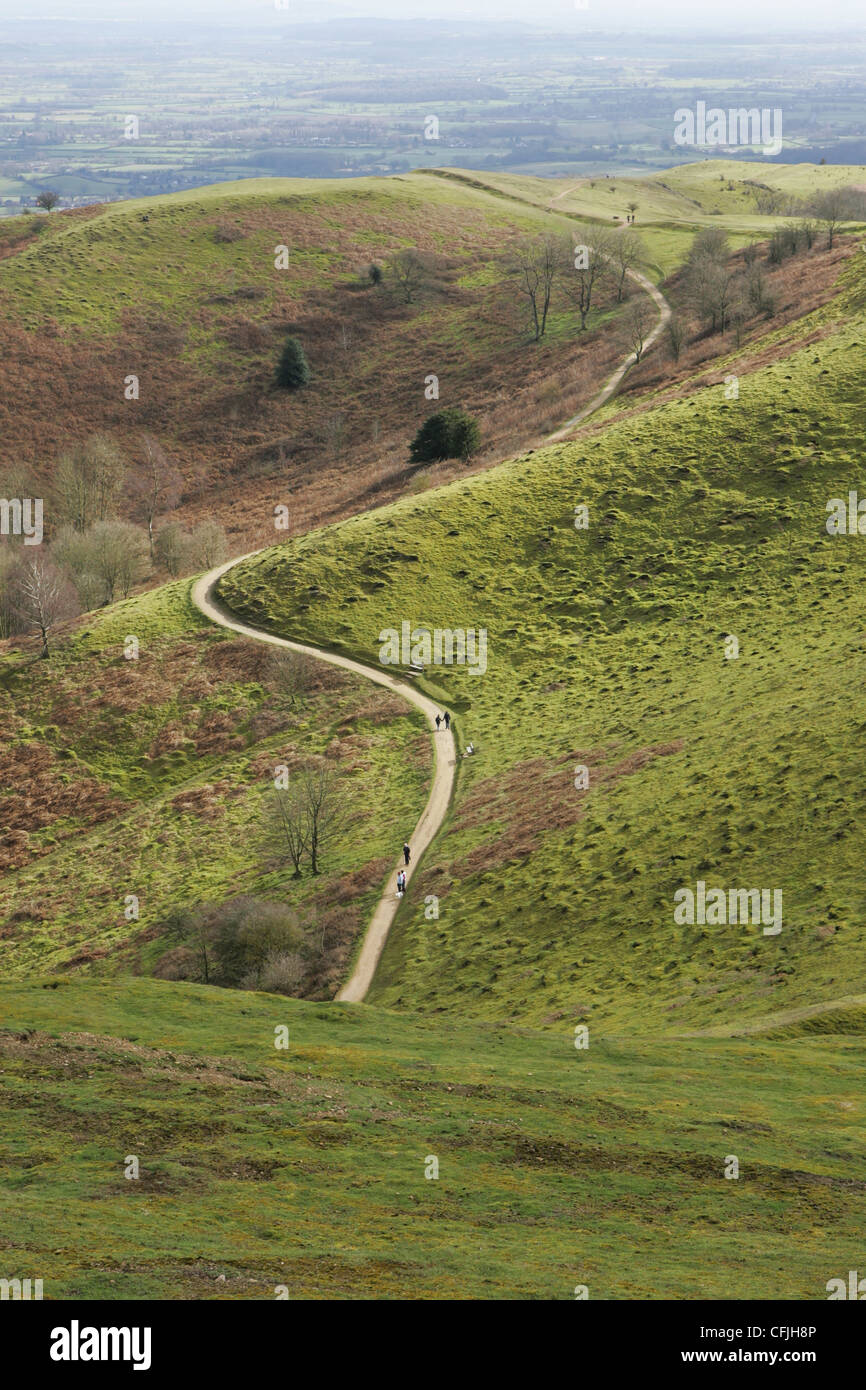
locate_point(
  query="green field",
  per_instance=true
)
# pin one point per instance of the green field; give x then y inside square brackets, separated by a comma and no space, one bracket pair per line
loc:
[305,1168]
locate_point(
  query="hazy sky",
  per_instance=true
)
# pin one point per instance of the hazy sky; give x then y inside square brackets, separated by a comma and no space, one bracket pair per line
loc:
[728,16]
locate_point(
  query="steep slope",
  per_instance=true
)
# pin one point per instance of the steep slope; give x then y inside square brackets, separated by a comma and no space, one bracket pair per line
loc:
[608,648]
[185,294]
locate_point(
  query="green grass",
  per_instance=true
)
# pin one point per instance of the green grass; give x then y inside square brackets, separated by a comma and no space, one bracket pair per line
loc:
[179,747]
[607,648]
[558,1166]
[304,1168]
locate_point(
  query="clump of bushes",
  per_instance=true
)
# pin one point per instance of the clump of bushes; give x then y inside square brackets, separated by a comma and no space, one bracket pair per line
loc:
[449,434]
[245,943]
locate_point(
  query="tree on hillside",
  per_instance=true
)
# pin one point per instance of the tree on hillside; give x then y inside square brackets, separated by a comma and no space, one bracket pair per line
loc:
[633,207]
[47,199]
[320,791]
[105,562]
[154,486]
[237,944]
[293,369]
[41,597]
[288,830]
[835,206]
[627,251]
[88,482]
[676,336]
[538,264]
[640,321]
[587,268]
[449,434]
[410,272]
[206,546]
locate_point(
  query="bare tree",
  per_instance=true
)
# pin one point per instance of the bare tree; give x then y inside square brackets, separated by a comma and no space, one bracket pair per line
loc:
[590,266]
[408,269]
[206,545]
[154,486]
[42,597]
[88,481]
[538,264]
[676,336]
[324,813]
[627,251]
[47,199]
[292,673]
[639,324]
[289,828]
[832,208]
[169,547]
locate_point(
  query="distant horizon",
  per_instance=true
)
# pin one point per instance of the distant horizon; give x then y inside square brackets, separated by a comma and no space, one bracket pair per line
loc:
[775,17]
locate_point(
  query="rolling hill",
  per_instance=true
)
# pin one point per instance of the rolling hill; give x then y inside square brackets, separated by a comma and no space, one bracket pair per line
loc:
[670,698]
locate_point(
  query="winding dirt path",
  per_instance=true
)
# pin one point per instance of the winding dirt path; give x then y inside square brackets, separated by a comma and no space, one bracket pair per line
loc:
[445,752]
[445,762]
[613,382]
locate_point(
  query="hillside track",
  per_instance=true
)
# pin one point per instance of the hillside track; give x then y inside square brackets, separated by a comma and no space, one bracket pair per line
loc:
[445,751]
[444,768]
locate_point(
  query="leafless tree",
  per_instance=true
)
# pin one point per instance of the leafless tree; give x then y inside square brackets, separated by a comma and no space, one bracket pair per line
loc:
[640,320]
[289,828]
[409,272]
[589,267]
[835,206]
[293,673]
[105,562]
[42,596]
[676,336]
[538,264]
[627,251]
[324,812]
[47,199]
[88,481]
[154,486]
[206,545]
[169,547]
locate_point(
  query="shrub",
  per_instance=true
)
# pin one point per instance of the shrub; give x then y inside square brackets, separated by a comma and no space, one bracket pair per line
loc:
[293,370]
[449,434]
[225,232]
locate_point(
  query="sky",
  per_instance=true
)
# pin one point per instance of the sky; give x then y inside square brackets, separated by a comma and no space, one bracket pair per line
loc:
[728,16]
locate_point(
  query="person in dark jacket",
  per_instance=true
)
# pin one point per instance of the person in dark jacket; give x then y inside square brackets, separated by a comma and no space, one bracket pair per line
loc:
[406,853]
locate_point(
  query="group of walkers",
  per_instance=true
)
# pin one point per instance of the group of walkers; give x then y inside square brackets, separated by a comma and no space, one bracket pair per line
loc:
[401,877]
[443,719]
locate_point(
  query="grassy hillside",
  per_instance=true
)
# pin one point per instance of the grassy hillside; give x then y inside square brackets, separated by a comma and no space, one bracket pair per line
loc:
[305,1168]
[152,777]
[671,203]
[607,648]
[609,651]
[183,292]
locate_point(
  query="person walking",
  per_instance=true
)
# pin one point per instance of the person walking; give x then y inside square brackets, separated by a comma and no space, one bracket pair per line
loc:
[447,717]
[406,853]
[438,722]
[401,884]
